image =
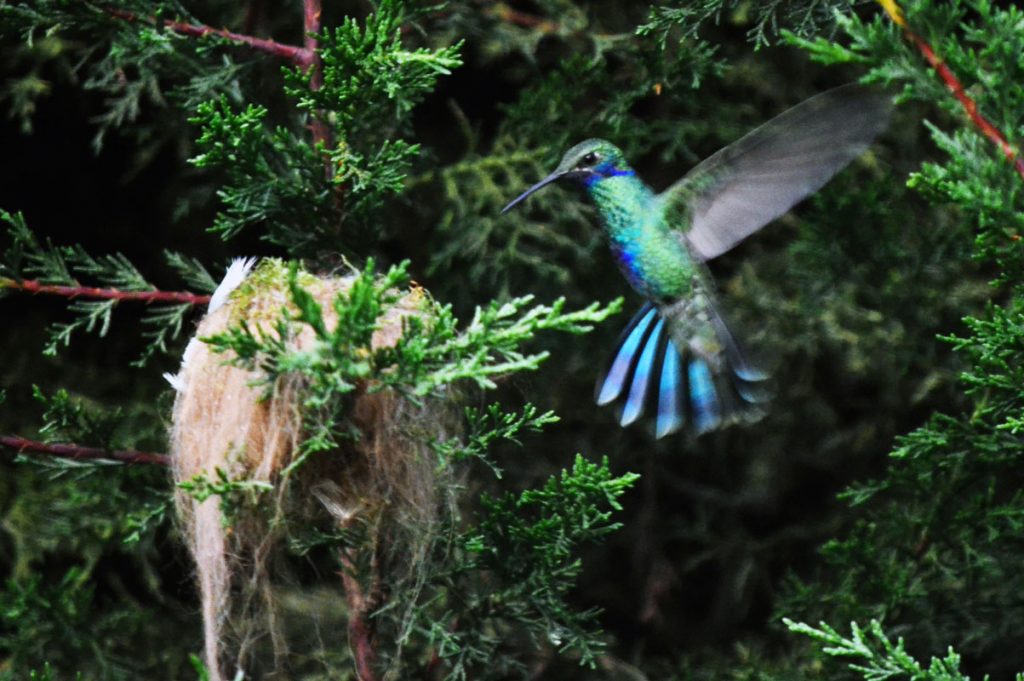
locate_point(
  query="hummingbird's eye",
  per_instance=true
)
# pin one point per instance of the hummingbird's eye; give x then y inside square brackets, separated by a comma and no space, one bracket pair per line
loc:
[590,159]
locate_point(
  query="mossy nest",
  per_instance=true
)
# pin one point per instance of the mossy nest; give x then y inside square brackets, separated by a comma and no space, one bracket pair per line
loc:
[384,484]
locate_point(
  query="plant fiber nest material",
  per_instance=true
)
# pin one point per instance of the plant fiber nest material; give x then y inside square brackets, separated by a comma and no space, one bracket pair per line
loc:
[385,483]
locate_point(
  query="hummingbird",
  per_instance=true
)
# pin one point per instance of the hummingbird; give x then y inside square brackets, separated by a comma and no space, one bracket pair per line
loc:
[678,356]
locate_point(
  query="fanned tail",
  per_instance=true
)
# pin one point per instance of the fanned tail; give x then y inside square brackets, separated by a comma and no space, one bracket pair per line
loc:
[648,372]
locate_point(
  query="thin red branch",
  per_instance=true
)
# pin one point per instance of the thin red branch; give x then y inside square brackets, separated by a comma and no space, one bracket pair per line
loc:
[954,85]
[305,56]
[360,633]
[300,56]
[78,452]
[513,16]
[318,127]
[33,286]
[311,26]
[433,665]
[970,106]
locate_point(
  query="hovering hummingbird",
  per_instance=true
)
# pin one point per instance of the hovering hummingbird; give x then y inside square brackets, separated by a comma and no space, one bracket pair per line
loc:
[677,354]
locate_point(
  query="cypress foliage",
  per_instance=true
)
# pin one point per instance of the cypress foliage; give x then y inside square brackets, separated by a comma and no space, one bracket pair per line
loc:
[377,144]
[931,554]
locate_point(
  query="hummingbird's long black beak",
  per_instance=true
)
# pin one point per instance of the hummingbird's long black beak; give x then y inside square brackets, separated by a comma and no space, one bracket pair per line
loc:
[557,175]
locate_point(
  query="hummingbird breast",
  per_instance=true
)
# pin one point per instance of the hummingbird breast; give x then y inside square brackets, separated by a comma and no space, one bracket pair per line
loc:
[649,254]
[654,262]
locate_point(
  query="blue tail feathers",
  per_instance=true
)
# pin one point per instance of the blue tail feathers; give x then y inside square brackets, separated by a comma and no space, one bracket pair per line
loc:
[648,371]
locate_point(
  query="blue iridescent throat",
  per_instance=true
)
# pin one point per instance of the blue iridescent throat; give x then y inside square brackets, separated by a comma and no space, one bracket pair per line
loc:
[606,170]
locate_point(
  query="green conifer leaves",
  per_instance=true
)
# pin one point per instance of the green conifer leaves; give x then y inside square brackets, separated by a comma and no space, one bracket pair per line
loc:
[869,653]
[275,179]
[945,563]
[308,194]
[96,285]
[371,82]
[527,545]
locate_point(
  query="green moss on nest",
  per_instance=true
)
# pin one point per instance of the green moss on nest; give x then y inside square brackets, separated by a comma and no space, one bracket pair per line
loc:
[260,297]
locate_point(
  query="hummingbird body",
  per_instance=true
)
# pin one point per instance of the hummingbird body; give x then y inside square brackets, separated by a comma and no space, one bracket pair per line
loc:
[652,257]
[649,254]
[677,354]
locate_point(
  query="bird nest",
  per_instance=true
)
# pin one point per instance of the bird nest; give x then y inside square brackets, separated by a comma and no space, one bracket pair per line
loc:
[383,487]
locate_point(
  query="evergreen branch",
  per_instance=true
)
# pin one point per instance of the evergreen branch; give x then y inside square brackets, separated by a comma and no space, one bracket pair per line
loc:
[360,632]
[529,543]
[876,657]
[318,127]
[484,427]
[300,56]
[311,24]
[30,266]
[35,286]
[233,494]
[192,271]
[165,323]
[956,87]
[78,452]
[360,606]
[89,316]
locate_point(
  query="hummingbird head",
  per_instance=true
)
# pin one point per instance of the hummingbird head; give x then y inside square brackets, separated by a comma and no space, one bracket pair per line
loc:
[586,163]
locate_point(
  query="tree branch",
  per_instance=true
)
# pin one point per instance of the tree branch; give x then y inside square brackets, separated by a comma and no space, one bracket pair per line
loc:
[956,87]
[78,452]
[300,56]
[33,286]
[311,27]
[306,56]
[503,12]
[360,605]
[360,634]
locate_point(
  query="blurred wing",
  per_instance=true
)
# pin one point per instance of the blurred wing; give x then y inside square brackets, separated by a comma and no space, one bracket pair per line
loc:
[762,175]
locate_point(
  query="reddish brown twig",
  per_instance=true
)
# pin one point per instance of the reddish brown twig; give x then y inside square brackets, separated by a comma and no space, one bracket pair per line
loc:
[78,452]
[33,286]
[311,26]
[300,56]
[320,131]
[433,665]
[306,56]
[509,15]
[956,87]
[360,633]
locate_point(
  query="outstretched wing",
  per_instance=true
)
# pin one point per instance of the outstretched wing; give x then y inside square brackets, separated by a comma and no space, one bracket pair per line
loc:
[751,182]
